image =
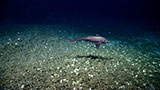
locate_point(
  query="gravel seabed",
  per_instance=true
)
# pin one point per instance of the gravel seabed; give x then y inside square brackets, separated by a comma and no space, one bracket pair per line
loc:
[40,57]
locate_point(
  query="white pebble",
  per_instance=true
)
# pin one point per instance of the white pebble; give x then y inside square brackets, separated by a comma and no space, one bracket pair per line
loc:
[85,68]
[16,43]
[58,67]
[151,75]
[90,75]
[87,62]
[74,88]
[38,69]
[60,70]
[61,81]
[154,62]
[64,79]
[22,86]
[8,42]
[136,76]
[72,65]
[80,88]
[51,76]
[74,59]
[121,87]
[9,39]
[125,69]
[90,88]
[144,70]
[18,39]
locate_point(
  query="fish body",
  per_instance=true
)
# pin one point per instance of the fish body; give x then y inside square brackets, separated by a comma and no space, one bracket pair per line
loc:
[98,40]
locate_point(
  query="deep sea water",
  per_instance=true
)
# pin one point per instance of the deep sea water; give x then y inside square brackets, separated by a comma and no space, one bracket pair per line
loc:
[41,57]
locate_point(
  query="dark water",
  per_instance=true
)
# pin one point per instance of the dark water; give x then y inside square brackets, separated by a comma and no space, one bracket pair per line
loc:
[113,13]
[35,52]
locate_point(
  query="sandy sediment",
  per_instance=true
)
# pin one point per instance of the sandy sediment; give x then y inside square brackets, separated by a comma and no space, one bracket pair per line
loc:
[40,57]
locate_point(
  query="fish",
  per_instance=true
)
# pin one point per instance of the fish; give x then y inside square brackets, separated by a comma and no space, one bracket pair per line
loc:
[98,40]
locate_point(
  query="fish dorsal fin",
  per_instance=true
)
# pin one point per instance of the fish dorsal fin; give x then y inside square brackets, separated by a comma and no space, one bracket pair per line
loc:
[97,34]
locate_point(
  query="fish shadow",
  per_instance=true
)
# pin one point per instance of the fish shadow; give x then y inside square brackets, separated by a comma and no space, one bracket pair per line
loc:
[94,57]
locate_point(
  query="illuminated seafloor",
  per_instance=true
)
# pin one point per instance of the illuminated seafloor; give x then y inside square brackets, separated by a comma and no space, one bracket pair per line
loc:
[39,57]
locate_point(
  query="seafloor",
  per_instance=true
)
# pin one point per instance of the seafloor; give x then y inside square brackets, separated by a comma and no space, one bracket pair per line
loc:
[39,57]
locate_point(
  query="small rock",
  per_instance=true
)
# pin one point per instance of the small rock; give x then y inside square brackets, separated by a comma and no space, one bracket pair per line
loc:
[22,86]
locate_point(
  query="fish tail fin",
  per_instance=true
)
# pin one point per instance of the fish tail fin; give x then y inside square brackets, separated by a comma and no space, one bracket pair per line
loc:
[72,40]
[76,40]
